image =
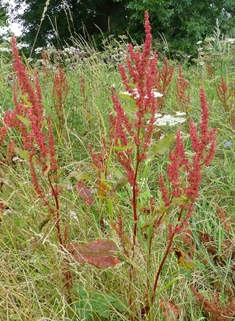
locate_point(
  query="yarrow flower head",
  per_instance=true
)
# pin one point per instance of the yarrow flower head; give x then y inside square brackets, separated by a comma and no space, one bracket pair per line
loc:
[169,119]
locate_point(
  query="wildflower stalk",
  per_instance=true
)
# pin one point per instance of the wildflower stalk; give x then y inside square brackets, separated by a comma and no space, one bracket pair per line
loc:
[55,194]
[130,138]
[164,258]
[38,143]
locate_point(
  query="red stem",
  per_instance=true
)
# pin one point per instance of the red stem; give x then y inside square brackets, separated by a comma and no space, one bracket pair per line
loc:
[57,212]
[135,229]
[164,258]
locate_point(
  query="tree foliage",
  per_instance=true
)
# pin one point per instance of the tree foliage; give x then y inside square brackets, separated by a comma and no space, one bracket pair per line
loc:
[64,19]
[3,18]
[183,22]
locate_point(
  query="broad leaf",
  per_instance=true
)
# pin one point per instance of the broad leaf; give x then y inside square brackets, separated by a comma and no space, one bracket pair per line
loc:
[162,145]
[24,154]
[85,193]
[182,200]
[99,253]
[25,121]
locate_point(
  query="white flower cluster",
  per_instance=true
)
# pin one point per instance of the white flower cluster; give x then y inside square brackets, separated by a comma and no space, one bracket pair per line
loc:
[2,49]
[231,40]
[156,94]
[169,119]
[38,50]
[22,45]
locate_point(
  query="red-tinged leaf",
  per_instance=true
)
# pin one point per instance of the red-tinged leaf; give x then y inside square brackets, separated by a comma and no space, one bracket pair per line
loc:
[183,259]
[169,309]
[85,193]
[99,253]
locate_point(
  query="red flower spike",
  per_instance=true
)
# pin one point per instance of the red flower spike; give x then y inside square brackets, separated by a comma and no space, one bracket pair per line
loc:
[3,132]
[142,73]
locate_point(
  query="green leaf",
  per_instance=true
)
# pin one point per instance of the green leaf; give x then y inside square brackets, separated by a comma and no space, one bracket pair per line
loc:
[100,306]
[182,200]
[24,154]
[24,120]
[162,146]
[77,175]
[127,96]
[122,148]
[28,104]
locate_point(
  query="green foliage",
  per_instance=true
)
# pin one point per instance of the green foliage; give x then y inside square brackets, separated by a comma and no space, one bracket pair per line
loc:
[3,18]
[182,23]
[64,20]
[89,303]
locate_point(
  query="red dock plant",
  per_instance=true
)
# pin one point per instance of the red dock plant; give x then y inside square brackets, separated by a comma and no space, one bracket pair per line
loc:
[37,146]
[131,141]
[60,92]
[37,142]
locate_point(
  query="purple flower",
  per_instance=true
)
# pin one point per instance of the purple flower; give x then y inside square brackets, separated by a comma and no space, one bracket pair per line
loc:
[227,144]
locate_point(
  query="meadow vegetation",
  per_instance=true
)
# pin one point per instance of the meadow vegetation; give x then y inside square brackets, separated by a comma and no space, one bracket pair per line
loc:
[117,182]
